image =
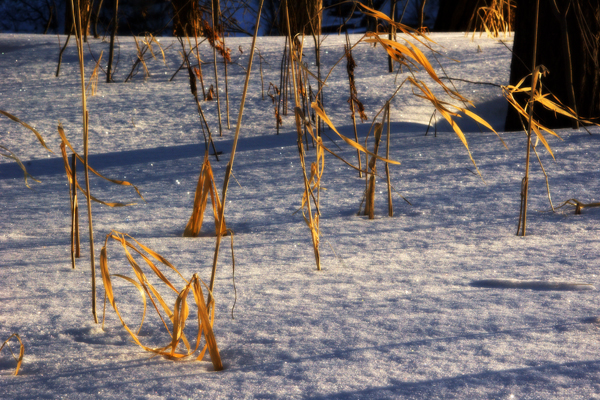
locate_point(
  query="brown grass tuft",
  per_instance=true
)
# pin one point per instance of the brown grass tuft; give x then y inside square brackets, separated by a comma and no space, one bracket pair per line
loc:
[206,185]
[177,315]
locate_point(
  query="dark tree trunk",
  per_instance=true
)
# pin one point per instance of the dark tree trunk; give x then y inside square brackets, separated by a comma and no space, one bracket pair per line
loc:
[68,17]
[454,15]
[569,46]
[304,16]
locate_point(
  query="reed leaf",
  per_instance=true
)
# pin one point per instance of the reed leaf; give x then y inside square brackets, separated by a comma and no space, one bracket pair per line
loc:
[321,113]
[65,141]
[21,351]
[443,108]
[32,129]
[413,33]
[178,314]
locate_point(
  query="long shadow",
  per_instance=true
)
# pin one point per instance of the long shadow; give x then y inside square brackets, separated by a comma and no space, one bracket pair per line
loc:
[54,165]
[522,377]
[531,377]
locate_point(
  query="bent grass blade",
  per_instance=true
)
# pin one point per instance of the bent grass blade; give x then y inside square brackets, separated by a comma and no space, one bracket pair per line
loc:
[21,351]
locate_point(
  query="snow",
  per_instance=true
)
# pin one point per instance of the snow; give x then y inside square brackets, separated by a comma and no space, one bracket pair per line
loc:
[393,314]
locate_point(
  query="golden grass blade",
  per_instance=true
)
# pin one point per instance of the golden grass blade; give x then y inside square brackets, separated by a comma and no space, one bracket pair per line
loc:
[398,51]
[349,141]
[21,351]
[13,156]
[37,134]
[483,122]
[63,137]
[180,312]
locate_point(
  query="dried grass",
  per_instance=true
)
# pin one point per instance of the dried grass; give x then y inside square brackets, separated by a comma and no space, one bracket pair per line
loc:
[92,85]
[206,185]
[578,205]
[495,19]
[177,315]
[21,351]
[550,102]
[147,45]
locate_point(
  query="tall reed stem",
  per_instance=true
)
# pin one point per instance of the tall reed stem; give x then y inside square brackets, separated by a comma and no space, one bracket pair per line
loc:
[215,25]
[74,213]
[387,165]
[525,182]
[230,164]
[78,34]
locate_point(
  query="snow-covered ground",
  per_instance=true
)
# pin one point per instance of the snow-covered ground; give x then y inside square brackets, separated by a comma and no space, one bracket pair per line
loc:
[394,312]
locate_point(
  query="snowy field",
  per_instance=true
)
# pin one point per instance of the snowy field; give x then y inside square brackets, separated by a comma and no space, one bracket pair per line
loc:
[393,314]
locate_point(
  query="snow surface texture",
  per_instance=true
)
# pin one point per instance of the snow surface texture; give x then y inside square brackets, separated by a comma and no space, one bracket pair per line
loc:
[393,314]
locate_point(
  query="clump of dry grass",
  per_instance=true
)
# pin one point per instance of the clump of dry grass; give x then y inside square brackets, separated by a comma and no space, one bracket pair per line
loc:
[177,315]
[206,185]
[92,85]
[494,19]
[19,359]
[147,45]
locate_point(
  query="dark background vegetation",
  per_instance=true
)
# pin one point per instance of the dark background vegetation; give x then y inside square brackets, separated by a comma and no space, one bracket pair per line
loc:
[568,44]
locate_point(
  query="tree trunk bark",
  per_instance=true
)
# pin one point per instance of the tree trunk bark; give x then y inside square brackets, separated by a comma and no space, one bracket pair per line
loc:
[184,13]
[572,57]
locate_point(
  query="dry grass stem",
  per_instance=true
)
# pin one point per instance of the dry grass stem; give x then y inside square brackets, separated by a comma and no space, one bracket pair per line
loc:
[550,102]
[353,101]
[92,85]
[372,173]
[229,169]
[387,165]
[578,205]
[75,243]
[147,42]
[85,117]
